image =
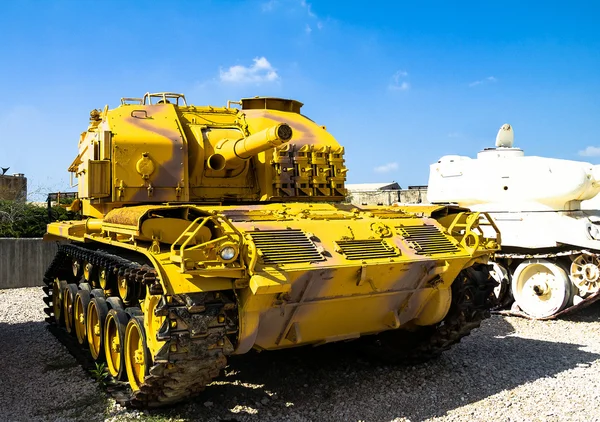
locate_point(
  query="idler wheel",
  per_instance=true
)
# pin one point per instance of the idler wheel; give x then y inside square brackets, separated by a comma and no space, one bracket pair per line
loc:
[137,356]
[114,341]
[69,294]
[96,317]
[57,300]
[82,300]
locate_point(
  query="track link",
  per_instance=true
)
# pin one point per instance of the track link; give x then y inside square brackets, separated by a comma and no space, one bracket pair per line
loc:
[196,330]
[472,299]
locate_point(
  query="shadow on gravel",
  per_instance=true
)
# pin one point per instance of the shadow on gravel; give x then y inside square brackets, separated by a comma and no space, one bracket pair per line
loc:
[334,383]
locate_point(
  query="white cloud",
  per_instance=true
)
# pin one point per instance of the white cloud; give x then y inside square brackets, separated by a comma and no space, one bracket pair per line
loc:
[386,168]
[400,87]
[489,79]
[260,71]
[302,13]
[268,6]
[306,5]
[590,152]
[397,83]
[454,135]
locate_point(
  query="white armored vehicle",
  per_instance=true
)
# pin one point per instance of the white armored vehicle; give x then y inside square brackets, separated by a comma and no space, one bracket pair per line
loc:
[550,259]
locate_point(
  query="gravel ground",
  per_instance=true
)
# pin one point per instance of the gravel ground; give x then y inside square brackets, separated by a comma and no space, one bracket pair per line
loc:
[511,369]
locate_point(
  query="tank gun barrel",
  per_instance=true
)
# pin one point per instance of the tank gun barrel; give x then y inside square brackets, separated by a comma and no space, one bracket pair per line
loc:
[232,153]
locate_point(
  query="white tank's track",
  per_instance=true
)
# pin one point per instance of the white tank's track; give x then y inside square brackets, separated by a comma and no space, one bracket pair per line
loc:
[552,256]
[472,298]
[201,346]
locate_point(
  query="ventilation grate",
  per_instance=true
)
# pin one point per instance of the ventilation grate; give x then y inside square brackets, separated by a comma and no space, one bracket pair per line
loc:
[366,249]
[427,240]
[285,247]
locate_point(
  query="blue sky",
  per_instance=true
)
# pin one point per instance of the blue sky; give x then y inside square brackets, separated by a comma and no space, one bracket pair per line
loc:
[399,84]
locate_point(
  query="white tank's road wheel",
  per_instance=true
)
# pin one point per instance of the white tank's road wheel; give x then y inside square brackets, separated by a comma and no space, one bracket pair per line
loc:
[585,273]
[500,274]
[541,288]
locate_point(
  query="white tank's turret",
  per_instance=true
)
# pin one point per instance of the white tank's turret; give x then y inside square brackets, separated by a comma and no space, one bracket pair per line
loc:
[504,179]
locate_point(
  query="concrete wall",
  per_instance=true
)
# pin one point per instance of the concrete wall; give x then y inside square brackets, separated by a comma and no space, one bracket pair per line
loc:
[374,197]
[413,196]
[24,261]
[388,197]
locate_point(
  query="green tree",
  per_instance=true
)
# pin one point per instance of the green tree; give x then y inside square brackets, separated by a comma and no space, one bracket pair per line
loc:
[22,219]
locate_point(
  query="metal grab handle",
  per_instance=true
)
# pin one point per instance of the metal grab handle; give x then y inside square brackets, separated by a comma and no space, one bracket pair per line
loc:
[133,112]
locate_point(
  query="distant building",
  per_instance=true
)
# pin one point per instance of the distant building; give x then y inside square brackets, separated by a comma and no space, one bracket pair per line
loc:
[13,187]
[385,194]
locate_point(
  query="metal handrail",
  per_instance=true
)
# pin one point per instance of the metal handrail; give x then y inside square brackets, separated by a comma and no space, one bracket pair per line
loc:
[184,248]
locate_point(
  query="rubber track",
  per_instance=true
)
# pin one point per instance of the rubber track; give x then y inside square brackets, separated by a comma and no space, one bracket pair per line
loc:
[472,299]
[194,331]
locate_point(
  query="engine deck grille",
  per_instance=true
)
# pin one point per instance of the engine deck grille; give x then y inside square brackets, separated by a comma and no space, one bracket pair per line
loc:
[366,249]
[427,240]
[285,247]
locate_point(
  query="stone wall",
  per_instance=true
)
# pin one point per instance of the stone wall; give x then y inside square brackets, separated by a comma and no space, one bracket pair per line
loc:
[24,261]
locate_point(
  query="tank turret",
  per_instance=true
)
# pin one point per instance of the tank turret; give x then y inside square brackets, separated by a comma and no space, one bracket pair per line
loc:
[536,203]
[159,149]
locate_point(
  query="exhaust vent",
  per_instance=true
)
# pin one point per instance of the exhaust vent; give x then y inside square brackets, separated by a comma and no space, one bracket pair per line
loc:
[366,249]
[427,240]
[285,247]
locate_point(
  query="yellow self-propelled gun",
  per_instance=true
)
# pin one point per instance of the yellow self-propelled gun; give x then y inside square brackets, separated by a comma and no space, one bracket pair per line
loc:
[210,231]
